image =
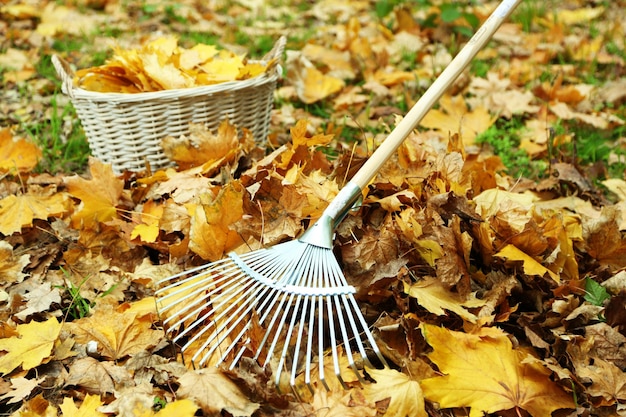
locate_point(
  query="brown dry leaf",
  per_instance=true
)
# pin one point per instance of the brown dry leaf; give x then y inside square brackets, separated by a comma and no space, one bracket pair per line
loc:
[17,211]
[211,227]
[31,347]
[202,146]
[405,393]
[17,155]
[603,240]
[454,117]
[119,332]
[39,300]
[100,195]
[338,404]
[98,377]
[11,265]
[88,407]
[214,392]
[495,93]
[436,298]
[21,388]
[608,381]
[483,371]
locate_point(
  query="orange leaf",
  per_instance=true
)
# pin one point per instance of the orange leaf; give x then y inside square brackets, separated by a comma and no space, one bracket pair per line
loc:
[484,372]
[100,195]
[17,155]
[211,234]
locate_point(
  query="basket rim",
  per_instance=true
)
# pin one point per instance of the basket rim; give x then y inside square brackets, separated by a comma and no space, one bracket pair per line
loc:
[271,74]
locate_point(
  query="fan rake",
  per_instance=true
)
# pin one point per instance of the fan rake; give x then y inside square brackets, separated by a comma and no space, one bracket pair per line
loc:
[293,298]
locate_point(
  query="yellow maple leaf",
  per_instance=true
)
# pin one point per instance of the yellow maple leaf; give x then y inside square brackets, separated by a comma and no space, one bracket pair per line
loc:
[484,372]
[166,75]
[310,83]
[453,116]
[178,408]
[405,393]
[88,408]
[17,211]
[99,195]
[531,265]
[434,297]
[151,215]
[30,347]
[17,155]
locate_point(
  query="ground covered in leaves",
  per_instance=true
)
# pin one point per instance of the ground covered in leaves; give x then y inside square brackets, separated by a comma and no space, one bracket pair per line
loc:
[488,255]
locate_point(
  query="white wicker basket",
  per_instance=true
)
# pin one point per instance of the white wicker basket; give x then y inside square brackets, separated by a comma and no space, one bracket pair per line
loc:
[126,130]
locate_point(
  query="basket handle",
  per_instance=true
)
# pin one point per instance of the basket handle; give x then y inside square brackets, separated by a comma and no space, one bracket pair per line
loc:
[276,55]
[66,74]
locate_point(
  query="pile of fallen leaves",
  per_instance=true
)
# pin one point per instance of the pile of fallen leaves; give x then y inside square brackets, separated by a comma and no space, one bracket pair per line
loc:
[162,64]
[486,293]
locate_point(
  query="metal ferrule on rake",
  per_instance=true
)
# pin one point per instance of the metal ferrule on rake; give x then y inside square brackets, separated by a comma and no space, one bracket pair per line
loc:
[293,298]
[322,231]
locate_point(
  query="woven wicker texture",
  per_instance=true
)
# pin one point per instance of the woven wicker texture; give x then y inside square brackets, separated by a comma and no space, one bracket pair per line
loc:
[126,130]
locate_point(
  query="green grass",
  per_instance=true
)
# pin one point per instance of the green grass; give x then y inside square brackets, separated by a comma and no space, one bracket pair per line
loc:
[503,137]
[528,12]
[61,139]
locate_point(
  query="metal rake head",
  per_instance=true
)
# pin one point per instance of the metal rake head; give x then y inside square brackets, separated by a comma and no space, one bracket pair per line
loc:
[291,299]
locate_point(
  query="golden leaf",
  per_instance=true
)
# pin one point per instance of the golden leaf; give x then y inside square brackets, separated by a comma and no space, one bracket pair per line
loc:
[88,408]
[149,229]
[483,371]
[17,211]
[434,297]
[99,195]
[31,347]
[405,393]
[454,117]
[17,155]
[531,265]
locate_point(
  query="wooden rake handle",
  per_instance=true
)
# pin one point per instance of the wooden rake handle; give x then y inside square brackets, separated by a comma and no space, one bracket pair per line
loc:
[371,167]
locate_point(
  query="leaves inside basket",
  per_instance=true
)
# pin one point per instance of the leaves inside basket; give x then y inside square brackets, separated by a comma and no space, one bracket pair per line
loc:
[163,65]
